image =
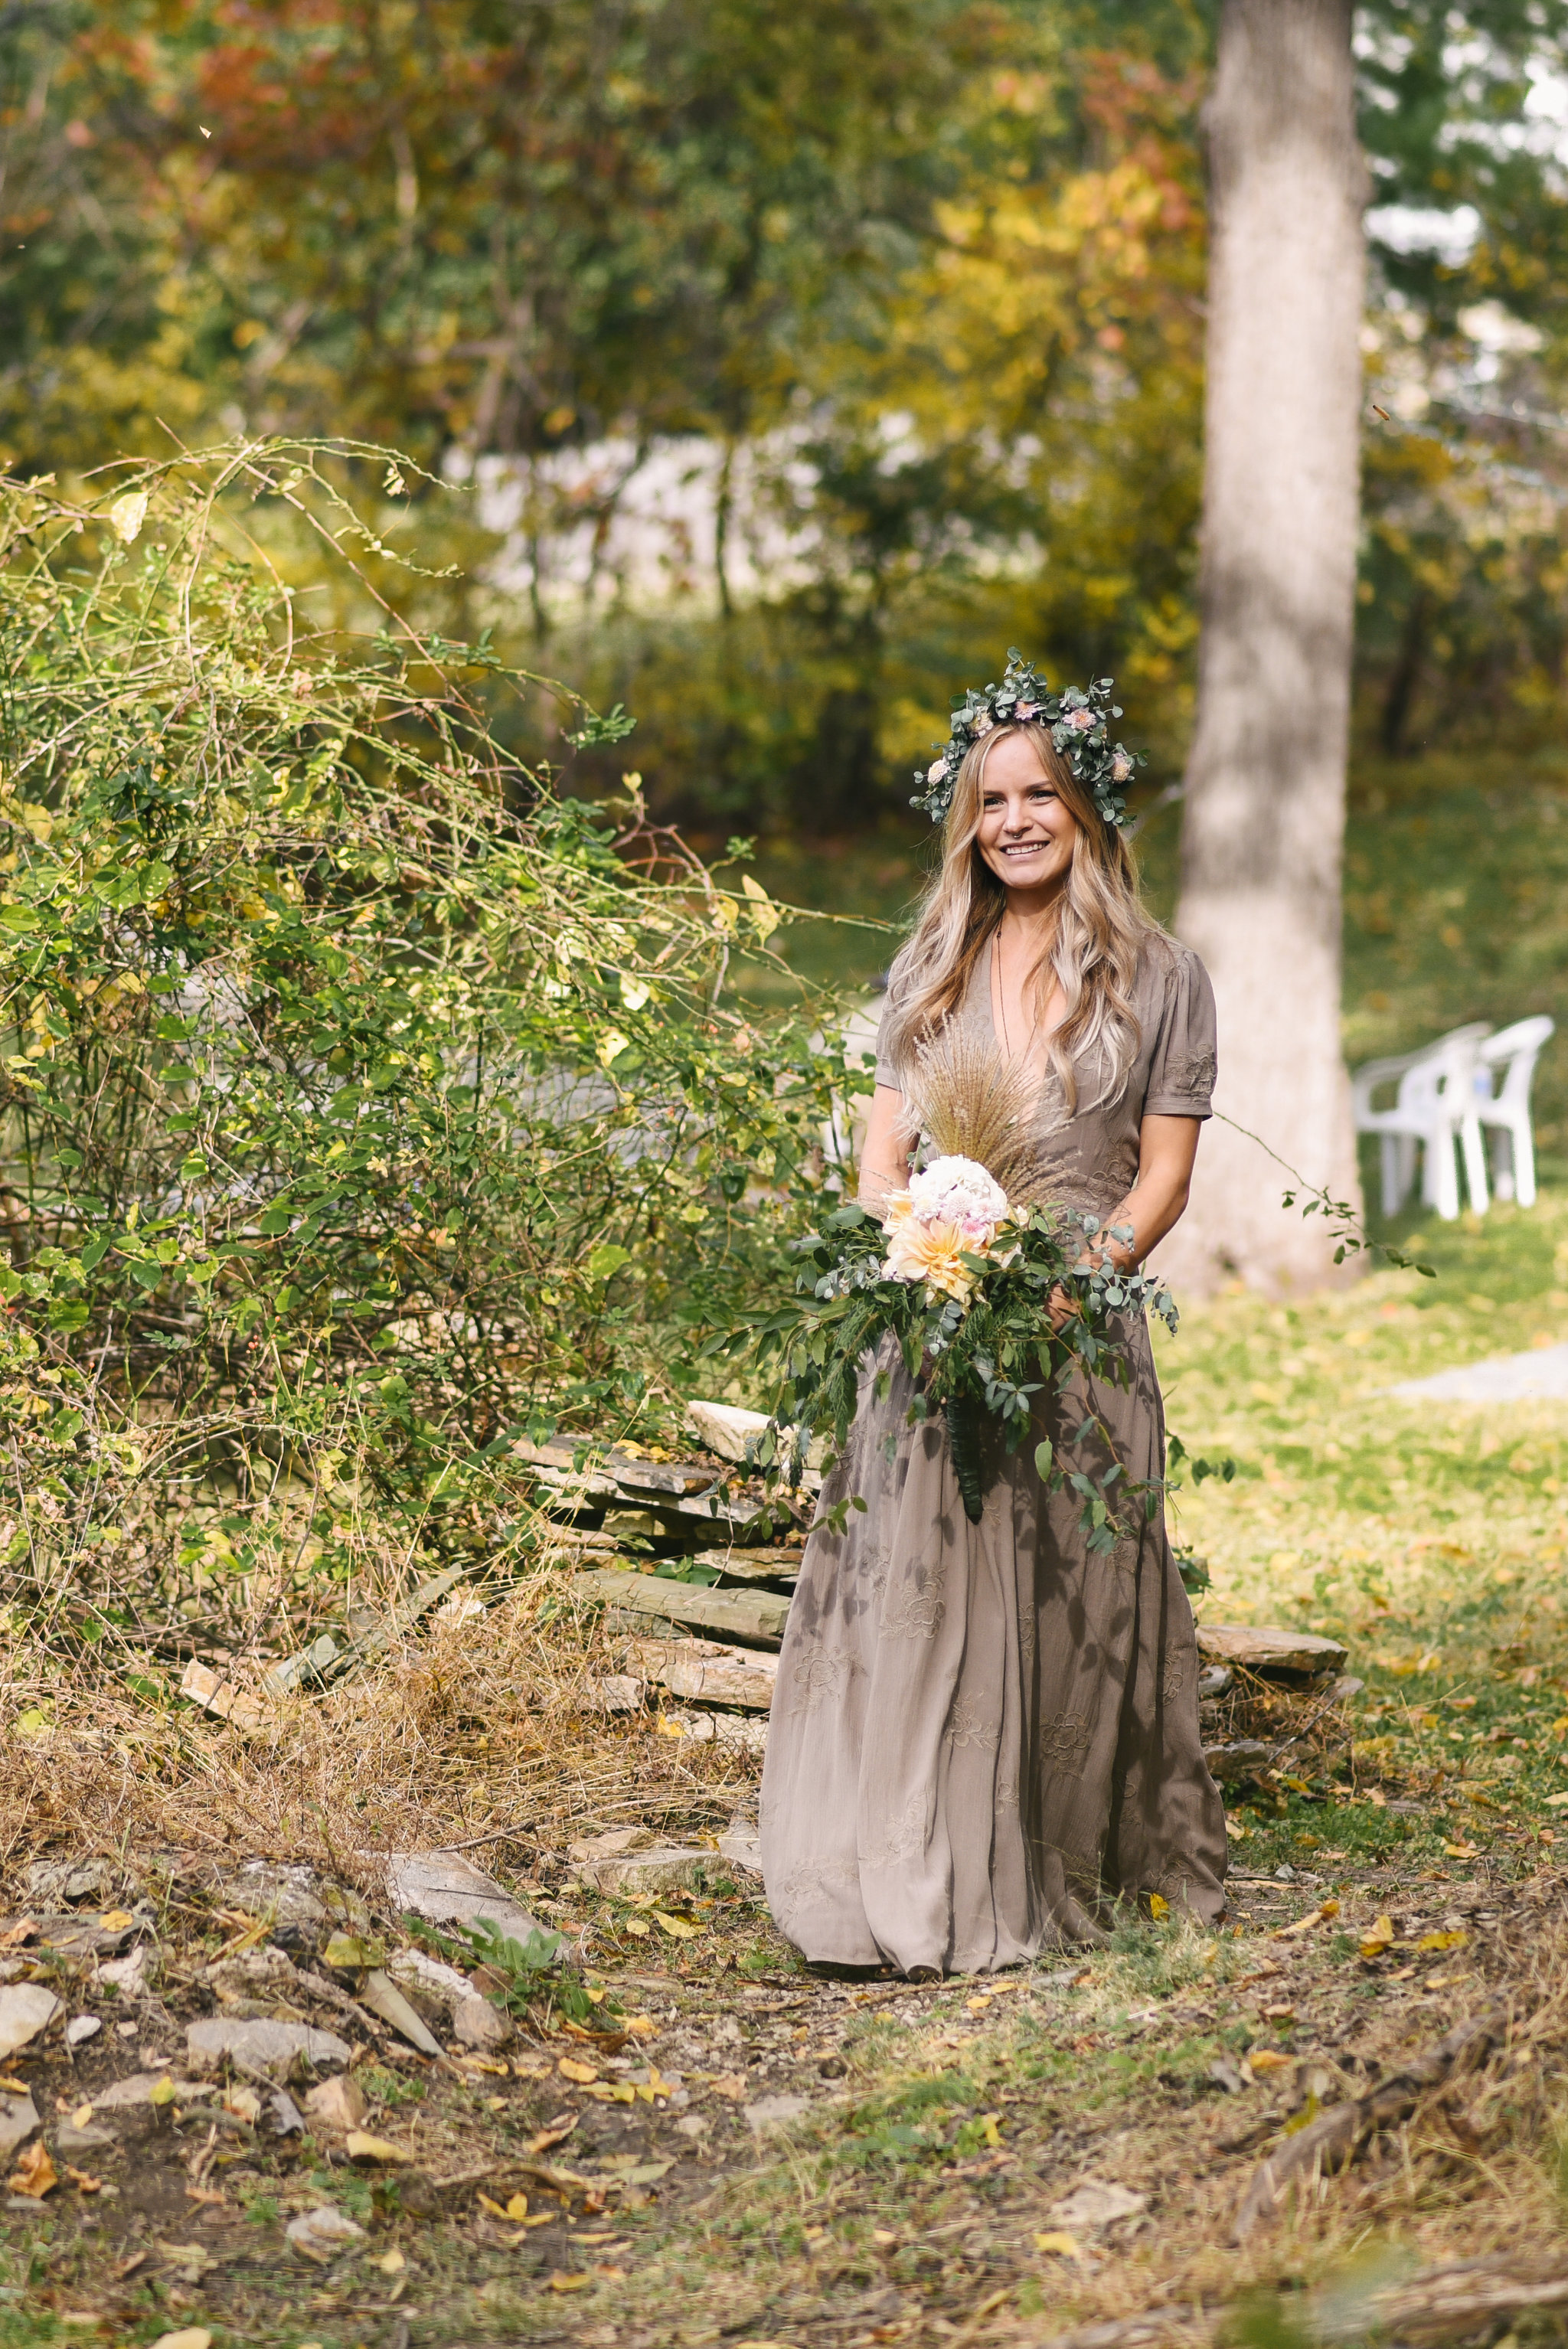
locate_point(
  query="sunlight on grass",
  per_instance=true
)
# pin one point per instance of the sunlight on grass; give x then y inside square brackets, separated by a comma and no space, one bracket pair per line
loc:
[1430,1537]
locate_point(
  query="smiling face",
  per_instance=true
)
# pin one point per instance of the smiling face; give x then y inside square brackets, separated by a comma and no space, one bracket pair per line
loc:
[1027,834]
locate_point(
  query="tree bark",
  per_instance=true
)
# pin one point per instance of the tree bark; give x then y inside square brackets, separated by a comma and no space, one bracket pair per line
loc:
[1264,804]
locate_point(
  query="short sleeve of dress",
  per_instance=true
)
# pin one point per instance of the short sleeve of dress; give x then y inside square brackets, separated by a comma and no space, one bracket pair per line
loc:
[1181,1066]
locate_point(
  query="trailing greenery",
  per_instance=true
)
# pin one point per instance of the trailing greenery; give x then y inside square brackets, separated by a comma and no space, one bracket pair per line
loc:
[363,1103]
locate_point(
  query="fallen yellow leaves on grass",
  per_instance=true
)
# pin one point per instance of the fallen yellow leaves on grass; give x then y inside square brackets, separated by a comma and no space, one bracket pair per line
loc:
[1320,1916]
[1065,2247]
[1443,1940]
[677,1926]
[1269,2059]
[1379,1940]
[362,2146]
[571,2069]
[561,2281]
[516,2210]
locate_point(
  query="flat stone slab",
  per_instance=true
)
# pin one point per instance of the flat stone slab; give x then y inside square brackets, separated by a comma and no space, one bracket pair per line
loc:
[1541,1375]
[630,1859]
[1268,1648]
[271,2047]
[445,1888]
[756,1615]
[704,1672]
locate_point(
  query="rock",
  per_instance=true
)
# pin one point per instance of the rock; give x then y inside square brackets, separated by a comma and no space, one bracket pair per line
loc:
[725,1429]
[25,2009]
[775,2112]
[479,2024]
[71,2139]
[381,1994]
[662,1867]
[274,2048]
[337,2105]
[749,1730]
[1214,1680]
[614,1692]
[612,1845]
[285,2115]
[320,2234]
[739,1845]
[81,2028]
[756,1616]
[136,2089]
[414,1970]
[289,1897]
[1243,1758]
[19,2118]
[1265,1647]
[704,1672]
[128,1974]
[55,1883]
[445,1888]
[202,1686]
[754,1565]
[1092,2204]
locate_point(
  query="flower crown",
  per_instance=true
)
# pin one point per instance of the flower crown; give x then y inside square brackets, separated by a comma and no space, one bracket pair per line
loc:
[1077,720]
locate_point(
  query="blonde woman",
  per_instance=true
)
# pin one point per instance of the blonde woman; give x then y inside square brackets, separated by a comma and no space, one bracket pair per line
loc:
[985,1735]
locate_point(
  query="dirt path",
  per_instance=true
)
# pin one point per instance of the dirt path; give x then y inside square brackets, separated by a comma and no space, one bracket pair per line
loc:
[733,2149]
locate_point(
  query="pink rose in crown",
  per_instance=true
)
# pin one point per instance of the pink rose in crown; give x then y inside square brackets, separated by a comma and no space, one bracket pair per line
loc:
[1081,721]
[936,769]
[983,723]
[1025,710]
[1120,768]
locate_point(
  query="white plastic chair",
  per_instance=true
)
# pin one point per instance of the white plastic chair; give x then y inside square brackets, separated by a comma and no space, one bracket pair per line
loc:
[1435,1105]
[1504,1107]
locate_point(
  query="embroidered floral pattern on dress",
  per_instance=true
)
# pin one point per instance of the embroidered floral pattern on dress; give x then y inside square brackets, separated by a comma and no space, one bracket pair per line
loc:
[1191,1074]
[1174,1686]
[823,1672]
[1064,1742]
[813,1880]
[968,1724]
[918,1611]
[901,1834]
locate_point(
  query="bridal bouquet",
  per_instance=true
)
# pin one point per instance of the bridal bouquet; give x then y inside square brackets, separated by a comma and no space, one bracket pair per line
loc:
[963,1270]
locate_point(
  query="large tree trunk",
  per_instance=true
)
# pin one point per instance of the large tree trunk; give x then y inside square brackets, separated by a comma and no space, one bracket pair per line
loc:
[1264,814]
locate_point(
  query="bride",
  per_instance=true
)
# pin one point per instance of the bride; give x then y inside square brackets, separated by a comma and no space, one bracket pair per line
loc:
[985,1735]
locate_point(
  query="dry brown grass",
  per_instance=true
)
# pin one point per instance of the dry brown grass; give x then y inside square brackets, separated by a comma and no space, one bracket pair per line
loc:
[474,1732]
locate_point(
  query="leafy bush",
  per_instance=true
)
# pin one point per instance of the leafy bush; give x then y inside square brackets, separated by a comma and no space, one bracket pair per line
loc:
[366,1104]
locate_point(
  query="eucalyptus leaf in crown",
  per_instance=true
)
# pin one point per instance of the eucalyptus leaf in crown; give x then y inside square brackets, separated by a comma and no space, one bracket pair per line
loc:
[1077,720]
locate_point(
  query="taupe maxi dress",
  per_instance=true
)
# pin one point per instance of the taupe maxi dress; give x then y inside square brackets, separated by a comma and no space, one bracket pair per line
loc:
[983,1735]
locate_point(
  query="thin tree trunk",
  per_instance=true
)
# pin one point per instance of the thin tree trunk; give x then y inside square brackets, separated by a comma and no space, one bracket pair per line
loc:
[1264,807]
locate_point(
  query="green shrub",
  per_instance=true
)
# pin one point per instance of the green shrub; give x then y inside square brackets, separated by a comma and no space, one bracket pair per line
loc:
[366,1104]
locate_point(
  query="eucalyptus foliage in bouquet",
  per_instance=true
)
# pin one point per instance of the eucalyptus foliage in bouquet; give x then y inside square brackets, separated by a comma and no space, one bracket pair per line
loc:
[961,1270]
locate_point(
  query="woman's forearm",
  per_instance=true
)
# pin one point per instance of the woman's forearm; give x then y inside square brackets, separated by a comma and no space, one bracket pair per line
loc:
[1154,1205]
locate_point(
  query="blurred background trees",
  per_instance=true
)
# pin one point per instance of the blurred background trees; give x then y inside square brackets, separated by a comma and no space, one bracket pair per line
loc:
[795,360]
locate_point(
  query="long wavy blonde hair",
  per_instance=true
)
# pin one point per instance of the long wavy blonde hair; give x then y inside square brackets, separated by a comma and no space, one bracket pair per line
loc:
[1101,927]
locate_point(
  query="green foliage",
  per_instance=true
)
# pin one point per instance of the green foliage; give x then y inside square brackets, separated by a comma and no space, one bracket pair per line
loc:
[363,1104]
